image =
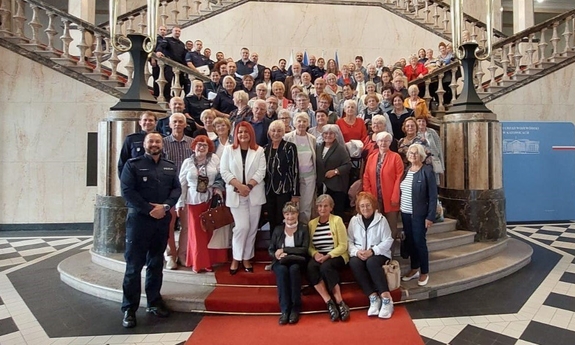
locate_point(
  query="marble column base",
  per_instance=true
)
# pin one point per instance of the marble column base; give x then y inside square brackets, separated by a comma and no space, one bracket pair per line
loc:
[480,211]
[110,224]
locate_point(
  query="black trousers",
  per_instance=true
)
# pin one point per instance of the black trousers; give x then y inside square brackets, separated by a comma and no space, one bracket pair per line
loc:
[274,205]
[328,271]
[339,199]
[288,281]
[369,274]
[146,241]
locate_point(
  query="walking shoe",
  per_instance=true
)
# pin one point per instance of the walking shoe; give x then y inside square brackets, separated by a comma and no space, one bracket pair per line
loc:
[343,311]
[293,317]
[332,308]
[386,308]
[284,319]
[159,309]
[374,305]
[171,264]
[268,267]
[408,278]
[129,320]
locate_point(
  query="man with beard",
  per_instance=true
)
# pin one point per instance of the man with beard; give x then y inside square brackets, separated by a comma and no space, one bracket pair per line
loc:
[299,59]
[134,144]
[294,79]
[151,188]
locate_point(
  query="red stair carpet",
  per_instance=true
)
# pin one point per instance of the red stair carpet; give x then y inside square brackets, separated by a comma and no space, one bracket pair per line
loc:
[311,329]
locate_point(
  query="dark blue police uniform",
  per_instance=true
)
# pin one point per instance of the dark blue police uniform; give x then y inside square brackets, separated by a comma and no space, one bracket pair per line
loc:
[133,147]
[143,182]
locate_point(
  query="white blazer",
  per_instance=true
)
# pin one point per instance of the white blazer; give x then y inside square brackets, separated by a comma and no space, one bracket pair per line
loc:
[231,167]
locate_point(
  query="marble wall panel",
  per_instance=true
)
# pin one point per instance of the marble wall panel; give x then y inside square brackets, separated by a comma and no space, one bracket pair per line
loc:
[45,117]
[275,29]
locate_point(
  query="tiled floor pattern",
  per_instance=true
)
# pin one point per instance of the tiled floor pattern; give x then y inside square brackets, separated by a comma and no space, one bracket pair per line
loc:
[545,318]
[543,315]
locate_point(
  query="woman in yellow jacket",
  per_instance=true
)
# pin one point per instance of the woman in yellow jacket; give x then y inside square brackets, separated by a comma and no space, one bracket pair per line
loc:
[415,102]
[328,251]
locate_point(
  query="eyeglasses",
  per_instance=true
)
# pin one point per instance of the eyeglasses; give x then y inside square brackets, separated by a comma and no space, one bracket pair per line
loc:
[284,118]
[409,153]
[202,145]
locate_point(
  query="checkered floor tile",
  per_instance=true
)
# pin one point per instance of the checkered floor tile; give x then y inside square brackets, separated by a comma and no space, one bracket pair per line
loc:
[560,236]
[16,251]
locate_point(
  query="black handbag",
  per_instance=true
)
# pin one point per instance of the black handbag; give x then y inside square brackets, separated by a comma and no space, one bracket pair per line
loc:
[291,259]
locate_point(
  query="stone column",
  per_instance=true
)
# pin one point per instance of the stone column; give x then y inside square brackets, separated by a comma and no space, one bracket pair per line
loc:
[110,211]
[472,190]
[523,15]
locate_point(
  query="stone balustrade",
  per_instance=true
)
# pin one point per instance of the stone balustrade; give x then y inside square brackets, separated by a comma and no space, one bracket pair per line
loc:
[75,44]
[513,59]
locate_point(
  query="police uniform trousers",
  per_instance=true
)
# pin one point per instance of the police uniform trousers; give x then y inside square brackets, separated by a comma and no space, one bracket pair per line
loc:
[146,240]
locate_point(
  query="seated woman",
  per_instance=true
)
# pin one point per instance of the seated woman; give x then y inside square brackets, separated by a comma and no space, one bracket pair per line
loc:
[418,207]
[369,245]
[199,177]
[289,247]
[328,250]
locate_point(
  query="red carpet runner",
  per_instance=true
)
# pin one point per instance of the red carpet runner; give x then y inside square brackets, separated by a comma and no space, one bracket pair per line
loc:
[312,329]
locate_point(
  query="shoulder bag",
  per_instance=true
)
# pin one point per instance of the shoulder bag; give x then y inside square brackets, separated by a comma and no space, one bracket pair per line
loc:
[393,274]
[217,216]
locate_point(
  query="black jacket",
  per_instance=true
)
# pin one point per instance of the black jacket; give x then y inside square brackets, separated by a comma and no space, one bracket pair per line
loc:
[301,241]
[282,169]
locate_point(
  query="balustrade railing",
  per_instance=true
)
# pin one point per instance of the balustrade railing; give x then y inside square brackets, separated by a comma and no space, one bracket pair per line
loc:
[74,43]
[514,58]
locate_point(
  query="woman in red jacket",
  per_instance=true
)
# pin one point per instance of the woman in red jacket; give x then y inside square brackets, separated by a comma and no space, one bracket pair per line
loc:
[415,69]
[382,176]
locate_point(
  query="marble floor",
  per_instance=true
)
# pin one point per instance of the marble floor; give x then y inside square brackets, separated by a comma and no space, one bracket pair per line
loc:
[533,306]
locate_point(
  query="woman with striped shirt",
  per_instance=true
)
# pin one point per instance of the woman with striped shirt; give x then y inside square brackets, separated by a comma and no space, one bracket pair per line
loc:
[418,204]
[328,250]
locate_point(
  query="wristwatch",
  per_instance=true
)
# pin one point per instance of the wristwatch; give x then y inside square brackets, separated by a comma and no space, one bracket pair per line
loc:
[336,171]
[167,207]
[250,186]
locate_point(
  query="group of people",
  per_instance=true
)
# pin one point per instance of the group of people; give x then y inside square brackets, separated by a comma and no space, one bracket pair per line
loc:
[278,154]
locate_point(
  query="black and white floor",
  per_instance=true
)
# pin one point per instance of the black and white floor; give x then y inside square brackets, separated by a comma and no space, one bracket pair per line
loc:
[533,306]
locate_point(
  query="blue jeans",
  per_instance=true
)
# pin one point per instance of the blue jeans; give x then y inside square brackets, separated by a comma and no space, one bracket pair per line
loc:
[288,281]
[415,231]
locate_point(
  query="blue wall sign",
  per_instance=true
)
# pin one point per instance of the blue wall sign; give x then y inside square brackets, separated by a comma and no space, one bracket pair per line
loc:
[539,171]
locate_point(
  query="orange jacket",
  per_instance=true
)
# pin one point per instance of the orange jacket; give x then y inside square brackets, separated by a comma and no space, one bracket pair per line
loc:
[390,177]
[419,109]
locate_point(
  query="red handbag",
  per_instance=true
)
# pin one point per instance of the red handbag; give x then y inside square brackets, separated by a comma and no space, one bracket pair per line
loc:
[216,216]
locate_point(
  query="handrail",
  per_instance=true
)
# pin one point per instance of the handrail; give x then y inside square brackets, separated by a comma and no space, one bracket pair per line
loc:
[74,19]
[436,72]
[470,19]
[533,29]
[126,16]
[182,68]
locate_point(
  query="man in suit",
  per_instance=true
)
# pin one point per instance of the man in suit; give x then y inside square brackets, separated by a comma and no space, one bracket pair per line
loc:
[294,79]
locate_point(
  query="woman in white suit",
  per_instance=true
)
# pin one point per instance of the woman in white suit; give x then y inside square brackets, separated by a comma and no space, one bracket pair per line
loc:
[305,144]
[243,168]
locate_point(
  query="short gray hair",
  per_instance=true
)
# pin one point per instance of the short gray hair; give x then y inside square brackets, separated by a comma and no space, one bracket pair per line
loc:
[302,115]
[325,197]
[383,135]
[379,118]
[420,151]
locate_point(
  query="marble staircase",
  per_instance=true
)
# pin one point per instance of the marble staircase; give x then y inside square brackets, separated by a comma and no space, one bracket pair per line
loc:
[457,263]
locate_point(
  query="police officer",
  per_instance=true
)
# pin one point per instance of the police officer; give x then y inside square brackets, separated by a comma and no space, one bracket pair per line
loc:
[151,187]
[134,144]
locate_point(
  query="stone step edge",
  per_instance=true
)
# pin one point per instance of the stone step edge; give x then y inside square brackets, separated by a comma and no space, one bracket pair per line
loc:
[109,286]
[410,290]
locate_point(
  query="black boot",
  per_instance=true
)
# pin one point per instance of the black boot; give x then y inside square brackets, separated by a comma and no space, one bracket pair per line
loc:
[332,309]
[129,320]
[284,318]
[343,311]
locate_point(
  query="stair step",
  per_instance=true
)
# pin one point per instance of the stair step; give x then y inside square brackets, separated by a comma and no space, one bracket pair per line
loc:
[544,64]
[520,76]
[516,255]
[449,258]
[97,76]
[79,272]
[65,61]
[48,54]
[115,262]
[112,82]
[123,89]
[81,69]
[444,240]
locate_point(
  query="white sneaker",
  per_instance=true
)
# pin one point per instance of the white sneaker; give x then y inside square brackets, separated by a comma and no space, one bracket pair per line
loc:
[374,305]
[171,264]
[386,308]
[268,267]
